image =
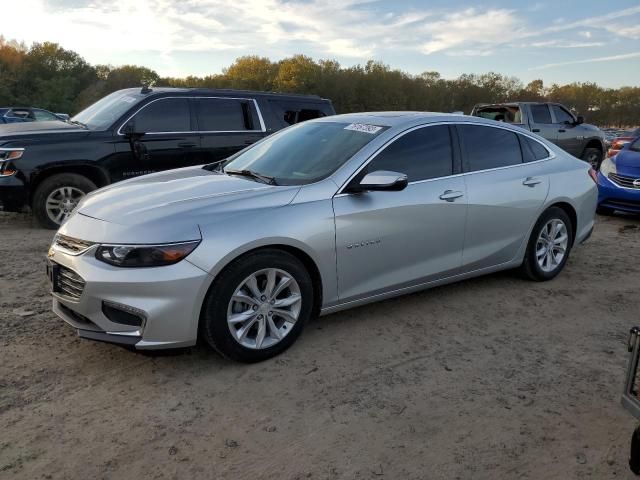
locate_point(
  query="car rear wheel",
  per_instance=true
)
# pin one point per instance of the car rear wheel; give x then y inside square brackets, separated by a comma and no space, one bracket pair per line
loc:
[57,196]
[593,156]
[257,307]
[549,246]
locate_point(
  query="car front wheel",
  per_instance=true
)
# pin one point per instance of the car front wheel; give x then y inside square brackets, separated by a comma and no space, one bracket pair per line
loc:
[549,245]
[57,196]
[257,307]
[592,156]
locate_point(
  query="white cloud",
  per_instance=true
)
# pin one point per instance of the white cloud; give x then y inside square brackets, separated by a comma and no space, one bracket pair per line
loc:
[351,30]
[611,58]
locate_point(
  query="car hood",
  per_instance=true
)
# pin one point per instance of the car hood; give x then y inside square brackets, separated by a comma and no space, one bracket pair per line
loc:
[172,204]
[32,128]
[628,163]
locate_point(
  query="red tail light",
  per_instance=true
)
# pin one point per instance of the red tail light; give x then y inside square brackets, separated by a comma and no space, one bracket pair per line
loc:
[594,175]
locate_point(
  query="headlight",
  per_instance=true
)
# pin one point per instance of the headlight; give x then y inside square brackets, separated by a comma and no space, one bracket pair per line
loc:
[6,155]
[607,166]
[145,255]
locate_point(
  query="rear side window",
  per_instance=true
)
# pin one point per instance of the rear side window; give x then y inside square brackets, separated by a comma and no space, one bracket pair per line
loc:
[165,115]
[290,113]
[562,116]
[540,113]
[226,114]
[421,154]
[489,147]
[532,150]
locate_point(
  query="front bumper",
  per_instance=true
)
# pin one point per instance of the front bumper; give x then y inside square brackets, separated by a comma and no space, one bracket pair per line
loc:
[166,299]
[612,196]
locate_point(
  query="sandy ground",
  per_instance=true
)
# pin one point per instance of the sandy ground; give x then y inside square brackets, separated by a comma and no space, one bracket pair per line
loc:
[488,379]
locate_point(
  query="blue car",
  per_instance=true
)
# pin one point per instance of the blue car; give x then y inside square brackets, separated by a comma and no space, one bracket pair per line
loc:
[619,181]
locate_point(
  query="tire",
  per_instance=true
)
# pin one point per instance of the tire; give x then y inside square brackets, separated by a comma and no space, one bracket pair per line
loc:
[531,267]
[592,156]
[604,211]
[219,306]
[77,185]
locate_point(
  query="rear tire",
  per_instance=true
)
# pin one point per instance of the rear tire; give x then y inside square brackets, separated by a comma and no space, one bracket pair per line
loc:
[543,260]
[231,306]
[593,156]
[64,188]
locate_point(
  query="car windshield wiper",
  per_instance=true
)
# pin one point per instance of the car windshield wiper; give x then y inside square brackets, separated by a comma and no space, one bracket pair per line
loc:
[76,122]
[255,175]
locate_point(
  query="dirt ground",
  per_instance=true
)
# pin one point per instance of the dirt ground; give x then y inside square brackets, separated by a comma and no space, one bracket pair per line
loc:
[490,378]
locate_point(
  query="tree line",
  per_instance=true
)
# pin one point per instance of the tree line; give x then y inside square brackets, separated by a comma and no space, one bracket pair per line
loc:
[48,76]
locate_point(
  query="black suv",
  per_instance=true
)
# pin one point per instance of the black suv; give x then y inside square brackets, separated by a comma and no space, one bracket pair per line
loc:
[51,165]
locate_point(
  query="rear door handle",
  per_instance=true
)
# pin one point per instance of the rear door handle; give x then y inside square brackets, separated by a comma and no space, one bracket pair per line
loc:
[531,181]
[562,130]
[535,130]
[186,144]
[451,195]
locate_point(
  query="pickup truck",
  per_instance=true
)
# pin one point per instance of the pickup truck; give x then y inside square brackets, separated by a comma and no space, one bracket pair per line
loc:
[50,166]
[553,122]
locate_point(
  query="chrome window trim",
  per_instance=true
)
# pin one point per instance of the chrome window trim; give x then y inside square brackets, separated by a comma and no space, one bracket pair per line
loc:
[551,156]
[255,103]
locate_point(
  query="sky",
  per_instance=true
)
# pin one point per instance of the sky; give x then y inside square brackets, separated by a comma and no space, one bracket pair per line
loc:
[560,41]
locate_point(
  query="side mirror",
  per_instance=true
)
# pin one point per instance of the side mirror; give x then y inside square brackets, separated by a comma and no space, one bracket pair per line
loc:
[382,181]
[130,129]
[579,120]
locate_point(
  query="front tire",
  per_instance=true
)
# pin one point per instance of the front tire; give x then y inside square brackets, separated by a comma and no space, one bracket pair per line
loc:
[257,307]
[593,156]
[549,246]
[57,196]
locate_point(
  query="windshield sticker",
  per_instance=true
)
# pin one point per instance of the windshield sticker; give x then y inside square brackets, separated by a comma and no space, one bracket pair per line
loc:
[363,127]
[128,99]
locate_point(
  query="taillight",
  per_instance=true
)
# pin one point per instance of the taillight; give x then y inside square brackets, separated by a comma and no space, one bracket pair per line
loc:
[594,175]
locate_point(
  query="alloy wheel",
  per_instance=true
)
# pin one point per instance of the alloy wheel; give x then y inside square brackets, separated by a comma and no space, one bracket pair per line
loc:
[264,308]
[61,202]
[551,246]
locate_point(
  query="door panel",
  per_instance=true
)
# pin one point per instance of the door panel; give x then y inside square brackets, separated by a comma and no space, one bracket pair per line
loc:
[565,125]
[541,122]
[502,206]
[389,240]
[218,146]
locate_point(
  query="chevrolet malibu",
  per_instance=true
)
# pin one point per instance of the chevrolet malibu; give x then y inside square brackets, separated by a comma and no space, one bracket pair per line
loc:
[319,217]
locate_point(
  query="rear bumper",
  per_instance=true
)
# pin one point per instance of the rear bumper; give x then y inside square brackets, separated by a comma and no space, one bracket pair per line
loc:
[612,196]
[13,194]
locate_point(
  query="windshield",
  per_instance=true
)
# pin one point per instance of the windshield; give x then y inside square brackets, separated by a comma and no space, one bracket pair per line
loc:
[107,110]
[306,152]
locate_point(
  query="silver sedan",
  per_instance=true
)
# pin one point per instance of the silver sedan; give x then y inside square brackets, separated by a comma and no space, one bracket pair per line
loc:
[319,217]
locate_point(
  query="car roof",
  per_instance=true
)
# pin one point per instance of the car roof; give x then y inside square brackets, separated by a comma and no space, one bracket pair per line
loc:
[410,119]
[224,92]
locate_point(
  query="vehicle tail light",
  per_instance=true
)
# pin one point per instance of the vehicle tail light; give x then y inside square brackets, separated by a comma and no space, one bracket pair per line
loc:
[594,175]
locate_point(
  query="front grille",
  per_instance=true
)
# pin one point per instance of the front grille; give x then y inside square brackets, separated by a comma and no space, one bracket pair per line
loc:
[624,181]
[68,283]
[72,245]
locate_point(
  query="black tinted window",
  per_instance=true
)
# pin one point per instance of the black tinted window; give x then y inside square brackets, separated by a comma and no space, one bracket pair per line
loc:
[166,115]
[532,150]
[221,114]
[488,147]
[540,113]
[421,154]
[562,116]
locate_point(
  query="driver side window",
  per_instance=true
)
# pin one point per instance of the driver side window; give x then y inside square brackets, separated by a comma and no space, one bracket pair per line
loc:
[164,115]
[421,154]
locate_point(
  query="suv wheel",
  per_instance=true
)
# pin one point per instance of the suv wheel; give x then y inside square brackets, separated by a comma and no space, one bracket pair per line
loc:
[257,307]
[593,156]
[57,196]
[549,246]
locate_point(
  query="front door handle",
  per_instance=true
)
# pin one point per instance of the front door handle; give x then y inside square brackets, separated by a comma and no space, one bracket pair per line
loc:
[186,144]
[535,130]
[531,181]
[451,195]
[562,130]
